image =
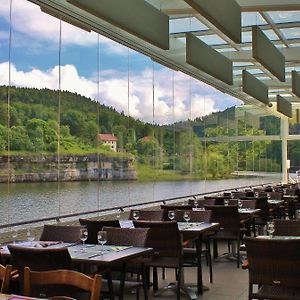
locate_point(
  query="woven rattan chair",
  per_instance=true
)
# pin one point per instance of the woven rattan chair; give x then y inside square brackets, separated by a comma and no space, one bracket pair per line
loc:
[230,230]
[93,226]
[274,265]
[67,234]
[39,259]
[164,238]
[150,215]
[62,277]
[5,275]
[287,227]
[131,237]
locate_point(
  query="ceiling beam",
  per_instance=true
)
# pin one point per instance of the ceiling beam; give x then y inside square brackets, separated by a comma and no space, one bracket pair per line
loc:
[269,5]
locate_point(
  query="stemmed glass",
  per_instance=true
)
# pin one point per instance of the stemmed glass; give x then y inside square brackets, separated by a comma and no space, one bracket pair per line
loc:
[30,236]
[102,239]
[171,215]
[270,228]
[14,236]
[226,202]
[196,203]
[136,214]
[83,237]
[240,204]
[187,217]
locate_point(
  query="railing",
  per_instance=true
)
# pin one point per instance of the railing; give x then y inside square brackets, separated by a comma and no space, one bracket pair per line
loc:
[124,207]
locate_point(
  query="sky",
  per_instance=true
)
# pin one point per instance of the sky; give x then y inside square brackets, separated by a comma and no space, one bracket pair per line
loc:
[125,76]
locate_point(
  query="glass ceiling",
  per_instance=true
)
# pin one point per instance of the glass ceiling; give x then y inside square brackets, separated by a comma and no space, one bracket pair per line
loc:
[281,27]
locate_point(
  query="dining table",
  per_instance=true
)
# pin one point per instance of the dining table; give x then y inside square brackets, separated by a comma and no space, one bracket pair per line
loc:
[198,229]
[104,256]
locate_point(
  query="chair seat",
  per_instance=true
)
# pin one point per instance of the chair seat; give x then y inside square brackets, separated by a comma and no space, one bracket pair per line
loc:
[167,262]
[277,293]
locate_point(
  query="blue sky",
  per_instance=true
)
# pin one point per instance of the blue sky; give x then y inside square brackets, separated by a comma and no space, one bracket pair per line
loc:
[35,53]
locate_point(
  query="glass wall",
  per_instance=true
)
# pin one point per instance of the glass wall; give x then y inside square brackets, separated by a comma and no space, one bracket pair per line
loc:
[88,124]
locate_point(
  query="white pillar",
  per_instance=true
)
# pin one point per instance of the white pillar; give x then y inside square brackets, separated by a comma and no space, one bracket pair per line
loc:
[284,156]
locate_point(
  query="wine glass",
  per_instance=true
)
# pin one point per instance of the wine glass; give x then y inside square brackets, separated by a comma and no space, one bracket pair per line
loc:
[30,236]
[187,217]
[136,214]
[270,228]
[240,204]
[226,202]
[14,235]
[196,203]
[269,196]
[102,238]
[83,236]
[171,215]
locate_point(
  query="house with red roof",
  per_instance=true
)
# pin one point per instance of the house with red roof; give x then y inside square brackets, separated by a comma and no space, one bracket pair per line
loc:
[108,139]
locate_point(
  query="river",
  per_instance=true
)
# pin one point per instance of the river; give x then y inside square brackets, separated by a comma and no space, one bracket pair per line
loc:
[28,201]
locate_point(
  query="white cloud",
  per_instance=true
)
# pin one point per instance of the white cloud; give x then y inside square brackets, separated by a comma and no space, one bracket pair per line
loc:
[114,91]
[28,20]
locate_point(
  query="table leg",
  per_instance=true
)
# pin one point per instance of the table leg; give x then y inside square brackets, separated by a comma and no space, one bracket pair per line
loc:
[122,281]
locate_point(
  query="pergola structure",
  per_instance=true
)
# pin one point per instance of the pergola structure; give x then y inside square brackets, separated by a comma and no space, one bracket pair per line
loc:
[249,49]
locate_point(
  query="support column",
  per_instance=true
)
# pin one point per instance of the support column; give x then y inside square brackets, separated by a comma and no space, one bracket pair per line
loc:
[284,155]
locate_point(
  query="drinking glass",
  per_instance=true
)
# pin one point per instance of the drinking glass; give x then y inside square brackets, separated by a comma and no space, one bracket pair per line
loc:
[240,204]
[83,236]
[102,238]
[196,203]
[187,217]
[30,236]
[136,214]
[269,196]
[171,215]
[270,228]
[14,235]
[226,202]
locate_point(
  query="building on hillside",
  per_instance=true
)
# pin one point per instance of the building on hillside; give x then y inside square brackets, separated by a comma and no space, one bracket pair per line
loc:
[108,139]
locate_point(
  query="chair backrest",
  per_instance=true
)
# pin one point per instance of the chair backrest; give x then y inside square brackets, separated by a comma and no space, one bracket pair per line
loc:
[276,195]
[93,226]
[5,275]
[127,236]
[238,195]
[167,207]
[262,204]
[39,259]
[274,262]
[287,227]
[245,203]
[203,202]
[163,237]
[64,233]
[227,216]
[196,216]
[150,215]
[62,277]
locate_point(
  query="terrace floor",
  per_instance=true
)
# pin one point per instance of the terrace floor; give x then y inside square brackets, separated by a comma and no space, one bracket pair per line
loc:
[229,282]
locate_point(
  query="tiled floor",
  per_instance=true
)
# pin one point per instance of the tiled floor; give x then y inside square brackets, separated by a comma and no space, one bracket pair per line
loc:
[229,283]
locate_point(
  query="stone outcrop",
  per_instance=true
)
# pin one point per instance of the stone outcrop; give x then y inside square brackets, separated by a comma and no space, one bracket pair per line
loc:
[67,168]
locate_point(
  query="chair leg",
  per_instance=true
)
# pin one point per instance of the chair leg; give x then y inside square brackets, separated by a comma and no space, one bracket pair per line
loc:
[144,280]
[209,261]
[155,279]
[163,272]
[178,282]
[238,252]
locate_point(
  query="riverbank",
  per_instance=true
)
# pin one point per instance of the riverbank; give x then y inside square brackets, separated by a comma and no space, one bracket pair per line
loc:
[47,168]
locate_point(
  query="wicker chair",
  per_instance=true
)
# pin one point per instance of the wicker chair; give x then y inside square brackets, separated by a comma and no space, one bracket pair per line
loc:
[230,230]
[62,277]
[67,234]
[150,215]
[40,259]
[5,275]
[164,238]
[93,226]
[274,265]
[287,227]
[131,237]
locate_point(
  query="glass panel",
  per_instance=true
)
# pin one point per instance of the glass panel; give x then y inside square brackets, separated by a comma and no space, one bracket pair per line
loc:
[212,40]
[186,25]
[252,18]
[284,16]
